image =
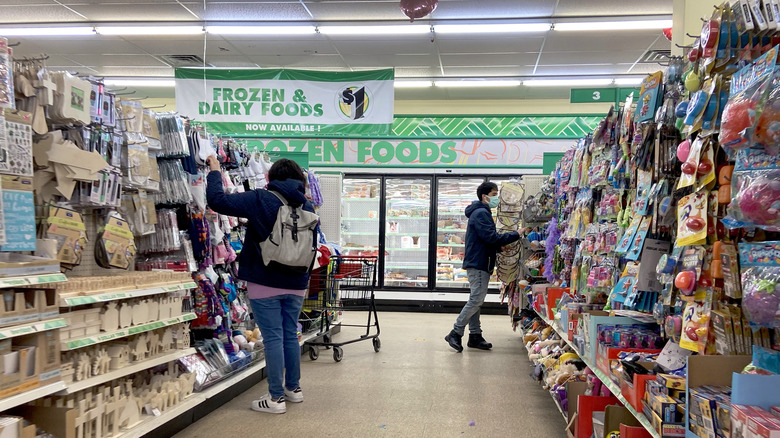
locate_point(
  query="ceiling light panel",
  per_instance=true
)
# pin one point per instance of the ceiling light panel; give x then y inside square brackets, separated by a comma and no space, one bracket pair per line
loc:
[412,84]
[491,28]
[261,30]
[477,83]
[408,29]
[612,25]
[46,31]
[567,82]
[149,30]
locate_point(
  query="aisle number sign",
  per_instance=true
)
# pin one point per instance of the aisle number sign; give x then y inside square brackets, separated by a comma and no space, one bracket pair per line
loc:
[287,102]
[586,95]
[421,153]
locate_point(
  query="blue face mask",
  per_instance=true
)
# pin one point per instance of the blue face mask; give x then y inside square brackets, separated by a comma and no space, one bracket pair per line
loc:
[493,201]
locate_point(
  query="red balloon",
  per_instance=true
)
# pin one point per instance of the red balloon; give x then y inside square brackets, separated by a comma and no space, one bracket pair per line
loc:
[668,33]
[418,8]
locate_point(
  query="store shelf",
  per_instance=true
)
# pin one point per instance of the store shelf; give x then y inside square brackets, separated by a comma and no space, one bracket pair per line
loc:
[126,371]
[462,245]
[407,249]
[361,199]
[613,388]
[121,295]
[451,230]
[134,330]
[422,266]
[360,233]
[374,219]
[32,280]
[28,396]
[150,423]
[359,248]
[454,262]
[33,327]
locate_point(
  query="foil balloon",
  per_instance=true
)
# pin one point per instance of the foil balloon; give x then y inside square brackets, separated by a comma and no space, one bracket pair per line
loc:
[415,9]
[668,33]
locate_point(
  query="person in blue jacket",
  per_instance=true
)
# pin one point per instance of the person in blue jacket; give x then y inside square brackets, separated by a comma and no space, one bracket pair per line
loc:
[276,297]
[482,244]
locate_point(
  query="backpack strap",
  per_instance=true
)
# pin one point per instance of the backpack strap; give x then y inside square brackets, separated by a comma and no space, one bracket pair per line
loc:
[278,195]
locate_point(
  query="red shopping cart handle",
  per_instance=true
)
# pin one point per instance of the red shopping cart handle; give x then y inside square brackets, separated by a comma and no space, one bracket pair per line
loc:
[352,257]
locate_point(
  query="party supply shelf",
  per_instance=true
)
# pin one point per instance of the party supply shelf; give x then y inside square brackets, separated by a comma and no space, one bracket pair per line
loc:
[106,296]
[134,330]
[613,388]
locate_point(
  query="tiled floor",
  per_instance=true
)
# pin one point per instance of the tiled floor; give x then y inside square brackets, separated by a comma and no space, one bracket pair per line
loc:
[416,386]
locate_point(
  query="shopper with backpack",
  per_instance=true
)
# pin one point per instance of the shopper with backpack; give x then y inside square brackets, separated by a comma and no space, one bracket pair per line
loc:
[278,253]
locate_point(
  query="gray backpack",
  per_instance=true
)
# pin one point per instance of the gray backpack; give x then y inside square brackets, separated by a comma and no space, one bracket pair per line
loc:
[292,243]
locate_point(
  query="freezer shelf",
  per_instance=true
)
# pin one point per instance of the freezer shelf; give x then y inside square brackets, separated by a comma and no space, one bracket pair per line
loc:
[360,216]
[453,196]
[407,230]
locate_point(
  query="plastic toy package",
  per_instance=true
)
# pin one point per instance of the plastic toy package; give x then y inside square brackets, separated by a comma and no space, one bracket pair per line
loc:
[756,191]
[749,92]
[761,282]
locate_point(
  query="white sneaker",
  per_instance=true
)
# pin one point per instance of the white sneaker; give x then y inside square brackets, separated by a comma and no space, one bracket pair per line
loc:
[267,404]
[294,396]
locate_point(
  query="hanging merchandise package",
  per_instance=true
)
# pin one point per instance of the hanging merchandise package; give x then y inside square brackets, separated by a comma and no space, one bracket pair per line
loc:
[67,228]
[691,219]
[696,322]
[761,283]
[135,164]
[691,164]
[750,88]
[115,246]
[650,97]
[150,129]
[6,73]
[755,190]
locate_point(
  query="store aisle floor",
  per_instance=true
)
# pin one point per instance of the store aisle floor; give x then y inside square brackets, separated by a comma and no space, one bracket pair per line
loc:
[416,386]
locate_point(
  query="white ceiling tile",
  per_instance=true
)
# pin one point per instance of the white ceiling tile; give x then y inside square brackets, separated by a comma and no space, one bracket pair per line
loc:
[84,45]
[389,61]
[489,70]
[315,62]
[599,41]
[613,7]
[574,57]
[341,10]
[579,69]
[135,71]
[417,72]
[297,46]
[127,12]
[493,9]
[386,46]
[488,59]
[37,12]
[180,45]
[488,44]
[231,61]
[101,60]
[244,11]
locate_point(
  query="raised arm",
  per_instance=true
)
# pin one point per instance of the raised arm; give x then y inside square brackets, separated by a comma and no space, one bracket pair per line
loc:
[234,204]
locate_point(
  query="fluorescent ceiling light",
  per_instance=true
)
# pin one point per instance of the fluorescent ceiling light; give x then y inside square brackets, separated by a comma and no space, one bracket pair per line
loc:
[149,30]
[613,25]
[408,29]
[565,82]
[140,82]
[412,84]
[46,31]
[491,28]
[629,81]
[261,30]
[477,83]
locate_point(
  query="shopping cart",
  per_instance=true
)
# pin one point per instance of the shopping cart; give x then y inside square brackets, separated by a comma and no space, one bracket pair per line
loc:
[347,284]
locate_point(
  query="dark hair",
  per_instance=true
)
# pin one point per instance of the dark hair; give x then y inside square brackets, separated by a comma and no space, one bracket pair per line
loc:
[485,188]
[284,169]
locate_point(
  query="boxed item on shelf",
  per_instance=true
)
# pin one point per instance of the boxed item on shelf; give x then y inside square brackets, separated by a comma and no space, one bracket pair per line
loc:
[591,321]
[19,306]
[664,429]
[29,361]
[18,265]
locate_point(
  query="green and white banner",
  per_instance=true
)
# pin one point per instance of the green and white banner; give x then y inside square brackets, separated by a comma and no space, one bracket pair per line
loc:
[451,153]
[265,102]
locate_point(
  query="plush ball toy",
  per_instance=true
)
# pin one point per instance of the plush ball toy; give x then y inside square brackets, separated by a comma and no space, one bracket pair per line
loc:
[768,126]
[761,301]
[759,202]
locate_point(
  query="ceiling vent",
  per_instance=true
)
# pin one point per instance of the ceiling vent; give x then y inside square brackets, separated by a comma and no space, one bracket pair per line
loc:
[655,57]
[184,61]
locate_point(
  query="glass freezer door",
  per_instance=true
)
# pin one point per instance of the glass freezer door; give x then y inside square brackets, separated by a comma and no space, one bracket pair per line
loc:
[407,228]
[453,196]
[360,216]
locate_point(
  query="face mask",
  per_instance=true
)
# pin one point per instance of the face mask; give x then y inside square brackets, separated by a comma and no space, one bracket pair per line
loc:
[493,201]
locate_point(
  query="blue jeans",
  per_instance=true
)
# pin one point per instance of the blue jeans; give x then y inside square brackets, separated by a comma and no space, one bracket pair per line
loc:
[478,282]
[277,318]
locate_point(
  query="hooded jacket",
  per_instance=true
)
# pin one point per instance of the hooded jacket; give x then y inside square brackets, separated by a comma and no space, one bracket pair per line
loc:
[260,207]
[482,240]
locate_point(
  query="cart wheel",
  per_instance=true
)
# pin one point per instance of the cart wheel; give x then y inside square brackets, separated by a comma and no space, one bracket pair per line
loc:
[338,354]
[314,352]
[377,344]
[326,339]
